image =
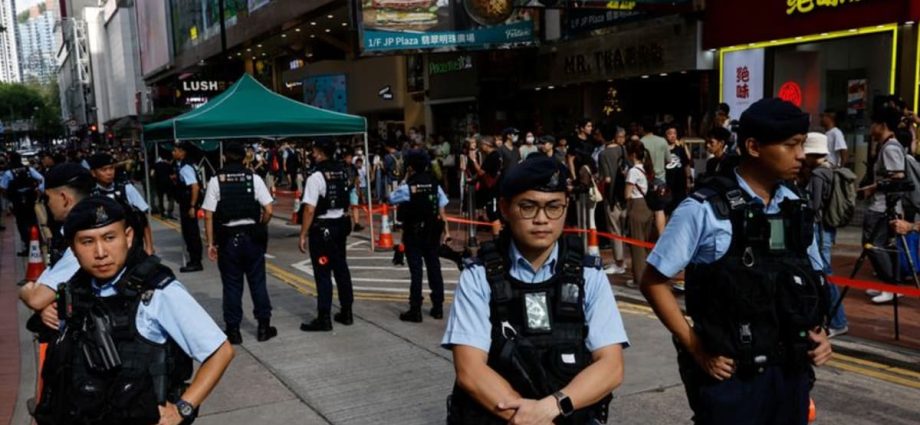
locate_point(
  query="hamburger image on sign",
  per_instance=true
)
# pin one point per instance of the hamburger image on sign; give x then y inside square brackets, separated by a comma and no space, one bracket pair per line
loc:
[405,14]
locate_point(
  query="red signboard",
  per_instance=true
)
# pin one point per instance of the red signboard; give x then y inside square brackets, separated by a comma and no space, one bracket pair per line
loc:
[734,22]
[791,92]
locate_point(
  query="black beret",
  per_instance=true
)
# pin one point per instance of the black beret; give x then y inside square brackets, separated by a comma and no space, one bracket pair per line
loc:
[540,173]
[100,160]
[772,120]
[235,148]
[65,174]
[418,159]
[92,213]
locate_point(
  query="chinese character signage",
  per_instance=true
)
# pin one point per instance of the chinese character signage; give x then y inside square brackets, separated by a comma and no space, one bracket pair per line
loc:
[395,25]
[742,79]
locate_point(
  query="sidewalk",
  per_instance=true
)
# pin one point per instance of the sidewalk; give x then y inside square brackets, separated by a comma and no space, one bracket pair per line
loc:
[867,321]
[9,326]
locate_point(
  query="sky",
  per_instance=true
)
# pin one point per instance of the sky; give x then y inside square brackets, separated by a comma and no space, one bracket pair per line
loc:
[25,4]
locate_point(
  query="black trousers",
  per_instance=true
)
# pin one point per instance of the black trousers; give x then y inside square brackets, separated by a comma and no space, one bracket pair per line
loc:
[25,219]
[877,232]
[423,246]
[327,239]
[191,234]
[240,255]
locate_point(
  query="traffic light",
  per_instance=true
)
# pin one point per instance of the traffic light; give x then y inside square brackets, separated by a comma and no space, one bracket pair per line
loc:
[93,128]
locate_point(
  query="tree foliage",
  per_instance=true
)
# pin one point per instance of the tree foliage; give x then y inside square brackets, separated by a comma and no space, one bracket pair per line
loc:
[39,104]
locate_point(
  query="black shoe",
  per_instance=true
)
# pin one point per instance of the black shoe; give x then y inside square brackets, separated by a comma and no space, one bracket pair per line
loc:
[24,253]
[320,324]
[358,228]
[344,316]
[191,268]
[399,257]
[266,331]
[414,315]
[437,312]
[233,336]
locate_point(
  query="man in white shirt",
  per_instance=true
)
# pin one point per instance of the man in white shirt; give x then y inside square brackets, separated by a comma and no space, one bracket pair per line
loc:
[836,143]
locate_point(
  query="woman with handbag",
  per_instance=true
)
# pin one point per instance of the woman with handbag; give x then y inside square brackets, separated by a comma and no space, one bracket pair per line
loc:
[640,218]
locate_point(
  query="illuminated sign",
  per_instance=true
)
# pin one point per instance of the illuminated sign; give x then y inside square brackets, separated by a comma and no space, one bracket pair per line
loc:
[791,92]
[808,6]
[203,86]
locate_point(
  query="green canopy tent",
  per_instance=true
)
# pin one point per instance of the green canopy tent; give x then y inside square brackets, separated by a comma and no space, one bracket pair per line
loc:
[248,110]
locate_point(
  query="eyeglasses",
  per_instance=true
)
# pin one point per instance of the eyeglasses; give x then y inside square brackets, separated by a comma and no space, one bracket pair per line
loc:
[529,210]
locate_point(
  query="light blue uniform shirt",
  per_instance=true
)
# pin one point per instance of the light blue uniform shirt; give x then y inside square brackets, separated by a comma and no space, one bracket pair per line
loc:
[401,195]
[187,175]
[7,177]
[695,235]
[134,197]
[63,271]
[469,322]
[173,313]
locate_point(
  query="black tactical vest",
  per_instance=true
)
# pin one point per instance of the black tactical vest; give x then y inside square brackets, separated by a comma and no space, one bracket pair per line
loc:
[237,195]
[21,190]
[421,213]
[57,247]
[183,191]
[757,302]
[538,334]
[337,187]
[101,370]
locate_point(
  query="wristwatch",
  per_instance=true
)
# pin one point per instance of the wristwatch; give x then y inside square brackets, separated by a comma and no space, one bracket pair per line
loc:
[186,410]
[564,403]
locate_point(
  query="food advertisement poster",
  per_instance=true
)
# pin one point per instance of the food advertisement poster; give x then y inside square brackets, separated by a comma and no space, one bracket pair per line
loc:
[399,25]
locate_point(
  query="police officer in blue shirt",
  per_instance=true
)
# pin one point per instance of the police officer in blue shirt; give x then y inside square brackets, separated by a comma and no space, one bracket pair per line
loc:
[129,333]
[422,213]
[102,167]
[325,228]
[754,287]
[188,193]
[21,185]
[534,329]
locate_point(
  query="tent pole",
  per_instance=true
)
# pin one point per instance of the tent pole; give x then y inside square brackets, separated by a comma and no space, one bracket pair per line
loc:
[147,172]
[367,178]
[221,145]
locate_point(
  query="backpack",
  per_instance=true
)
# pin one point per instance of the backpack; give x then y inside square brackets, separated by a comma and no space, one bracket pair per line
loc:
[912,171]
[658,195]
[839,204]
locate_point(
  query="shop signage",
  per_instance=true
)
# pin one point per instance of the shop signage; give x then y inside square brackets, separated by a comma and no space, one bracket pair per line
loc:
[394,25]
[617,60]
[203,86]
[808,6]
[743,79]
[460,63]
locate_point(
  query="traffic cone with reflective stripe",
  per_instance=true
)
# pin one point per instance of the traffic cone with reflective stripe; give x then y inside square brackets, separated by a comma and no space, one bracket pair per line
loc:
[36,262]
[812,410]
[593,246]
[295,215]
[386,237]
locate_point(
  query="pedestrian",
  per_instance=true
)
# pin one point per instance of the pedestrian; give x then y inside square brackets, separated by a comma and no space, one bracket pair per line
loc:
[639,217]
[535,331]
[722,162]
[816,180]
[102,167]
[237,209]
[528,146]
[487,171]
[678,172]
[22,184]
[660,155]
[836,143]
[754,288]
[325,228]
[613,165]
[580,147]
[129,334]
[423,202]
[507,147]
[188,194]
[165,201]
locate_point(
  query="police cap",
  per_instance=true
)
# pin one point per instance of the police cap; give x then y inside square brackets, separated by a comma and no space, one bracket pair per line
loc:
[772,120]
[65,174]
[100,160]
[540,173]
[92,213]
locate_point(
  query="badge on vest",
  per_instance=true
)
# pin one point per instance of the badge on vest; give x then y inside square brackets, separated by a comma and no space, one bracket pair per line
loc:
[537,309]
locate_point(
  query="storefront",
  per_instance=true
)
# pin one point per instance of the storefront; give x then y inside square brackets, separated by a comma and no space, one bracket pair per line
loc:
[453,94]
[839,57]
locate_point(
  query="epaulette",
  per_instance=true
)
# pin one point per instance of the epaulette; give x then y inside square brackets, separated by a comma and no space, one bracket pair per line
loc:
[592,262]
[471,262]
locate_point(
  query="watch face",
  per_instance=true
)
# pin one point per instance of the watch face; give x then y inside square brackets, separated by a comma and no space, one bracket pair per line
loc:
[566,405]
[186,409]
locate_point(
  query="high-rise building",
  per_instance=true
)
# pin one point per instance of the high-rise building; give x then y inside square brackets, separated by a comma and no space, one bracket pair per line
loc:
[36,42]
[10,71]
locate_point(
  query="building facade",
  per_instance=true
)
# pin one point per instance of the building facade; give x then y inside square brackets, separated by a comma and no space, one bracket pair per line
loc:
[10,71]
[36,42]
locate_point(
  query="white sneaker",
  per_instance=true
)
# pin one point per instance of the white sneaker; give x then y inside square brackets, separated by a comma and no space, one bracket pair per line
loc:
[884,297]
[631,284]
[837,332]
[614,269]
[873,292]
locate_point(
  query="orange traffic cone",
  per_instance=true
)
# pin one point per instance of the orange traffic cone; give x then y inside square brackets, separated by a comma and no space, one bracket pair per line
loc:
[386,238]
[297,195]
[295,215]
[36,262]
[812,410]
[593,246]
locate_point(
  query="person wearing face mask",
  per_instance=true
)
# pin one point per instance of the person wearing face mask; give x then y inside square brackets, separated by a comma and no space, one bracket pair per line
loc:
[528,147]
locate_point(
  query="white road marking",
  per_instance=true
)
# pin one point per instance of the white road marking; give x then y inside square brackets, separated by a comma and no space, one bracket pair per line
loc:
[270,257]
[307,268]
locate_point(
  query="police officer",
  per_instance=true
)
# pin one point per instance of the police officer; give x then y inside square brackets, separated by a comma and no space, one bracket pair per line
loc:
[102,167]
[753,283]
[65,186]
[422,214]
[326,227]
[237,209]
[129,333]
[535,330]
[21,185]
[188,191]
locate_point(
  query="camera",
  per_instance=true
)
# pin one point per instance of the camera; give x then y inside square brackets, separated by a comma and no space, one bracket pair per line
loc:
[894,186]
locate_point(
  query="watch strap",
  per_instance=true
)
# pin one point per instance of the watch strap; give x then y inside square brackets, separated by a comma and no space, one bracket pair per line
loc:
[564,403]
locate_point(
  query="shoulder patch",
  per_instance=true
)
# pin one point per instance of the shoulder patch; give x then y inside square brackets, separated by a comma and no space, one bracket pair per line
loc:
[592,262]
[703,194]
[470,262]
